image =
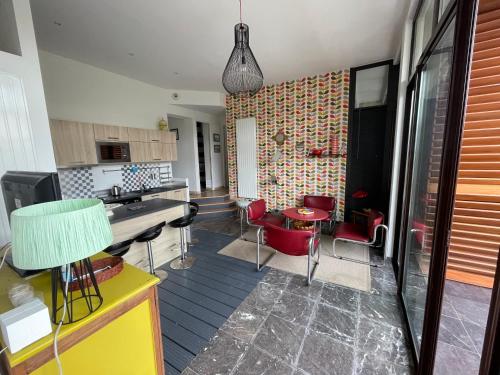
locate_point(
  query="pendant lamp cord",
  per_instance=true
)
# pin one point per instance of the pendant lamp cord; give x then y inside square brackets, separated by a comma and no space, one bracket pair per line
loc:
[241,18]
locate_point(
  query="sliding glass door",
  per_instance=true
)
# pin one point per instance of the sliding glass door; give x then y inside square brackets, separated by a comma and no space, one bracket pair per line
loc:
[426,152]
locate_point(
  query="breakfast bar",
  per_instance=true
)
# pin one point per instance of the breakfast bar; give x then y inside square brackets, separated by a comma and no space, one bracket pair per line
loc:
[130,220]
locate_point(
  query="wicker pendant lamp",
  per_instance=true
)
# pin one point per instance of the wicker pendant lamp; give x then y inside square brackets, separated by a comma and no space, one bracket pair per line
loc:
[242,73]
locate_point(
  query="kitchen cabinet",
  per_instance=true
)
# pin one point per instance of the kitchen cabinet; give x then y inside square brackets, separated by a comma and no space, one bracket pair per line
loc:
[158,152]
[177,194]
[138,135]
[162,195]
[140,152]
[155,136]
[110,133]
[73,143]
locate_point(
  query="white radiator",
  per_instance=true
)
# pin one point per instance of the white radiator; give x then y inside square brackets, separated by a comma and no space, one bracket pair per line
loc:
[246,155]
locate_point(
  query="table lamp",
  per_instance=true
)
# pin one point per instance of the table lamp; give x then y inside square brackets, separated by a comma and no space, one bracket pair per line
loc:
[62,233]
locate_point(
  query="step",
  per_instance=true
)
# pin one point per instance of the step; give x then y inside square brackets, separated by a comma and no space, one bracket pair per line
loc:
[208,200]
[216,214]
[204,207]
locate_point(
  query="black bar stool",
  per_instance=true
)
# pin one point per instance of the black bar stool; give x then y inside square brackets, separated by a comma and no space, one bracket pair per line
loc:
[147,236]
[184,262]
[119,249]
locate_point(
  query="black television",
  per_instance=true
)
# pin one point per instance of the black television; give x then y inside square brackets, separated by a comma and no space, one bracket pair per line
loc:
[22,188]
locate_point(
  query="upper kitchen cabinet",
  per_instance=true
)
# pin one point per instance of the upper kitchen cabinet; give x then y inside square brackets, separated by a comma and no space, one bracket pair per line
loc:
[140,152]
[138,135]
[155,136]
[110,133]
[73,143]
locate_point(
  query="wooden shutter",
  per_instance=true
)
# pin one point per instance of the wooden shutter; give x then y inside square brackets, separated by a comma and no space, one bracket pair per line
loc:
[475,236]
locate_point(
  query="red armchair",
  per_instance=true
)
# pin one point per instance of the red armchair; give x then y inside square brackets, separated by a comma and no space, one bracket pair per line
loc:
[291,242]
[324,203]
[363,234]
[258,217]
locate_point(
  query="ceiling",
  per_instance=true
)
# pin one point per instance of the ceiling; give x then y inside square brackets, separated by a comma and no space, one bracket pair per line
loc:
[185,44]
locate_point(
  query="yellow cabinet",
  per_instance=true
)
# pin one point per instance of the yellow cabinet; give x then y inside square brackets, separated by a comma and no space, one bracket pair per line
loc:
[73,143]
[140,152]
[110,133]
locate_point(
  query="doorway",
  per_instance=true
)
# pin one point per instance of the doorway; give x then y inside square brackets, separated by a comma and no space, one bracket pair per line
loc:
[204,160]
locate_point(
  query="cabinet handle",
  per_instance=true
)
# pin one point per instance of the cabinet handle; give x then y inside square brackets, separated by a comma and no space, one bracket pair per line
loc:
[113,138]
[155,195]
[157,159]
[77,162]
[155,140]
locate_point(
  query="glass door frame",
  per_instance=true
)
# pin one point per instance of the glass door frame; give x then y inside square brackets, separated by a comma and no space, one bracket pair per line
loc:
[464,12]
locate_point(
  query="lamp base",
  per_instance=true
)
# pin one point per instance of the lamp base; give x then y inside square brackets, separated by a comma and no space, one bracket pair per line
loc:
[82,297]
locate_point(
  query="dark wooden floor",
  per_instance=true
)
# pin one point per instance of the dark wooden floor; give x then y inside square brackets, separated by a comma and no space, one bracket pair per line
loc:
[194,303]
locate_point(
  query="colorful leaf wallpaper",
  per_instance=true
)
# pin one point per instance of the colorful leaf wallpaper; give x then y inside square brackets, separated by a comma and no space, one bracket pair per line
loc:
[312,110]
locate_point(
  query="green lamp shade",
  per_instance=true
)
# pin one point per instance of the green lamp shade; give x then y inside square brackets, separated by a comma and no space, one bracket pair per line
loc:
[53,234]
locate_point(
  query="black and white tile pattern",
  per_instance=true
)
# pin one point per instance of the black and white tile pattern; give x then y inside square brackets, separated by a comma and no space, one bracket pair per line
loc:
[76,182]
[91,181]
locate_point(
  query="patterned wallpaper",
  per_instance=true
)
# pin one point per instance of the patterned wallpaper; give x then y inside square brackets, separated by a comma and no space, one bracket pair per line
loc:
[312,110]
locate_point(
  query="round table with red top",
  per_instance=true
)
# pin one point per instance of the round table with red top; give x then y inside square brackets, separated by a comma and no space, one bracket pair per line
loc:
[293,213]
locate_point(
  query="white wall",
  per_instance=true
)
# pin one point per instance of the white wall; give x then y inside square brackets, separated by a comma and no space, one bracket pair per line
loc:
[218,159]
[187,162]
[78,91]
[25,142]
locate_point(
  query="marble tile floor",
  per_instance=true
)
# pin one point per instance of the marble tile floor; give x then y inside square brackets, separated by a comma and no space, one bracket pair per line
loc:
[285,327]
[462,328]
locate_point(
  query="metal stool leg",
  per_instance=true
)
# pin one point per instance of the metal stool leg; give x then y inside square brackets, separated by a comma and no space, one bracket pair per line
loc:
[150,258]
[184,262]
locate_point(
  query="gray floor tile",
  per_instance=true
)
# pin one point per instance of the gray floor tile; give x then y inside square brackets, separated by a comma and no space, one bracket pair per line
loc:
[244,322]
[467,291]
[188,371]
[368,364]
[476,333]
[343,298]
[294,308]
[264,296]
[471,310]
[298,285]
[281,338]
[277,278]
[256,362]
[383,310]
[323,355]
[451,360]
[383,342]
[339,324]
[220,356]
[451,331]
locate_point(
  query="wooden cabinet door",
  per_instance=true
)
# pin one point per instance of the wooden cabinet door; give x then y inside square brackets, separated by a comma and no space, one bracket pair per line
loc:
[73,143]
[167,136]
[137,135]
[110,133]
[139,152]
[154,136]
[148,197]
[157,152]
[173,151]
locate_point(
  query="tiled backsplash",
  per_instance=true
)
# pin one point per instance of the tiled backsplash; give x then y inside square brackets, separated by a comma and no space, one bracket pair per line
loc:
[85,182]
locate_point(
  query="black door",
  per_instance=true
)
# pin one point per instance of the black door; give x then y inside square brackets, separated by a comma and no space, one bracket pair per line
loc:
[367,142]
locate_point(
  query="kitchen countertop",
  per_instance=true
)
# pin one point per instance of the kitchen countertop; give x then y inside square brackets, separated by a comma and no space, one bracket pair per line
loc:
[140,193]
[138,209]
